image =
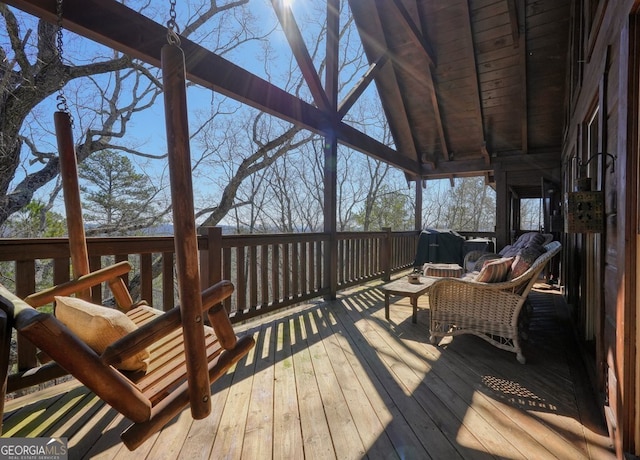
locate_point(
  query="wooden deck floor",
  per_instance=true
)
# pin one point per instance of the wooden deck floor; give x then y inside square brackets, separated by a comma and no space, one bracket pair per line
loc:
[336,380]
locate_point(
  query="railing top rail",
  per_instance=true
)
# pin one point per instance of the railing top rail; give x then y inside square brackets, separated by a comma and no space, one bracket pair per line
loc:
[256,239]
[13,249]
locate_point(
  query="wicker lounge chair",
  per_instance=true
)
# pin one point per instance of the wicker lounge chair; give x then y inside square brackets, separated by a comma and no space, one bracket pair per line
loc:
[489,310]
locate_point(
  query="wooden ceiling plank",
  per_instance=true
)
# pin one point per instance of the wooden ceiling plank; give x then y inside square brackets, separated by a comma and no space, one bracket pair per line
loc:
[515,27]
[301,53]
[367,19]
[358,89]
[476,86]
[529,163]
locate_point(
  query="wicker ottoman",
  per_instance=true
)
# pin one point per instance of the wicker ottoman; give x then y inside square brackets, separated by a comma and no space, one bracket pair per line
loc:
[442,270]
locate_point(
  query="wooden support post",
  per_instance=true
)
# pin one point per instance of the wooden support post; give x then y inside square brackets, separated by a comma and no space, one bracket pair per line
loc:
[418,216]
[330,213]
[503,210]
[72,204]
[186,242]
[331,148]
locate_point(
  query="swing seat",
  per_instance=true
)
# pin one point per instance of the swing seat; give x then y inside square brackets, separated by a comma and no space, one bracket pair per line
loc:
[157,363]
[149,398]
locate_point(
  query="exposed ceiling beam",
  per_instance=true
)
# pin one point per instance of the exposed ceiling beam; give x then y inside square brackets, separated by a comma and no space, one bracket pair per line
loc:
[416,35]
[358,89]
[301,53]
[101,21]
[519,162]
[485,153]
[519,6]
[447,168]
[356,140]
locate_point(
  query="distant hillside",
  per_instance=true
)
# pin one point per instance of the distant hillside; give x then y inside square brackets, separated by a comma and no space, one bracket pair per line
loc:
[167,230]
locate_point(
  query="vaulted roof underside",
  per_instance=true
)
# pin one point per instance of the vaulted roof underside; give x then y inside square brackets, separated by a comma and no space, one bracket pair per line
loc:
[472,84]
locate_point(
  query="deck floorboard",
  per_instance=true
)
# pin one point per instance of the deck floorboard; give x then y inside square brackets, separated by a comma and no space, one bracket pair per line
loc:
[337,380]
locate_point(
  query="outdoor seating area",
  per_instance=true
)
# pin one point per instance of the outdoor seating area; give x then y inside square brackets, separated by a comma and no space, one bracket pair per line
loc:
[491,309]
[387,202]
[338,380]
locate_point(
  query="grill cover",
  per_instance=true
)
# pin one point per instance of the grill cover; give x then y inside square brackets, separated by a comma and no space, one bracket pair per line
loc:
[439,246]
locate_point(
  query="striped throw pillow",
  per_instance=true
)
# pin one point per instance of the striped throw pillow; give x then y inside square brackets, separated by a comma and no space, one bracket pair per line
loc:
[495,271]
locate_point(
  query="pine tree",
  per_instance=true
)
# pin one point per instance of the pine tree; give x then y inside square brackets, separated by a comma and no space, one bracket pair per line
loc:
[118,200]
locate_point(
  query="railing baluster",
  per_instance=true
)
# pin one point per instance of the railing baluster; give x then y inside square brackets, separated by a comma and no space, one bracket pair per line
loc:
[61,270]
[286,272]
[146,278]
[295,270]
[241,279]
[264,275]
[122,258]
[275,272]
[253,276]
[227,275]
[95,263]
[168,288]
[320,250]
[304,288]
[25,285]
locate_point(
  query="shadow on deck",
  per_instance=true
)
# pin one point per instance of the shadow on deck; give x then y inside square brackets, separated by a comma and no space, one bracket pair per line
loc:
[337,380]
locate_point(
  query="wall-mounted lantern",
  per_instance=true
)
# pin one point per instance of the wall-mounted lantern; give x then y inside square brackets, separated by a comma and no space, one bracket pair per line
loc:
[584,208]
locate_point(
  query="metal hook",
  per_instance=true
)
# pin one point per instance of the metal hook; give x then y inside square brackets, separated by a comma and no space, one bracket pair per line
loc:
[613,157]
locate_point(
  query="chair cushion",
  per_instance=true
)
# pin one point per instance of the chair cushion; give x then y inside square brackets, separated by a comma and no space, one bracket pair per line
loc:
[525,240]
[483,259]
[495,271]
[98,327]
[524,260]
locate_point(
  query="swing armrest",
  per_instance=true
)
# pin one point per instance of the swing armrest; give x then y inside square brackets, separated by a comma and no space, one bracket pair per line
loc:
[159,327]
[111,274]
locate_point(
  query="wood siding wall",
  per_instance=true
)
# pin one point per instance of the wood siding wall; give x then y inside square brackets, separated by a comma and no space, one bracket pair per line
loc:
[603,78]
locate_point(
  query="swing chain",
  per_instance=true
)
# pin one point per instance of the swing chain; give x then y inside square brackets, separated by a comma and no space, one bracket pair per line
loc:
[62,100]
[172,26]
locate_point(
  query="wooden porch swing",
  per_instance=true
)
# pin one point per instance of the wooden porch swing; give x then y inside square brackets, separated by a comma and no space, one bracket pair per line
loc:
[180,356]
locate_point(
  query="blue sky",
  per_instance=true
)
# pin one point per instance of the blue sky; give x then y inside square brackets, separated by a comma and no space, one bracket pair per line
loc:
[147,128]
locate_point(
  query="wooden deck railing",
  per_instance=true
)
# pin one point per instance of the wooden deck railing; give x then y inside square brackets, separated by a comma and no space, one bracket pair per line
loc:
[269,271]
